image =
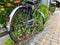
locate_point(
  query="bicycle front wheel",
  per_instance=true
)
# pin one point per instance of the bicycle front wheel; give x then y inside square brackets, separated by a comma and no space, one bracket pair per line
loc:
[19,24]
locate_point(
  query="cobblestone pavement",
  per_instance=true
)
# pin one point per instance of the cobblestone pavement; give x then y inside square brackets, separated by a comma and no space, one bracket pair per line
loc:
[52,36]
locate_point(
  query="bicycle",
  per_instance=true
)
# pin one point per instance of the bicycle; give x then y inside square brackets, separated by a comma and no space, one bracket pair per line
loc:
[23,21]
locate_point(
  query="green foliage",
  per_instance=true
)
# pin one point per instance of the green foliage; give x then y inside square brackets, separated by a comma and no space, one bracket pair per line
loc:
[28,31]
[17,33]
[3,17]
[9,42]
[39,20]
[5,11]
[44,10]
[52,8]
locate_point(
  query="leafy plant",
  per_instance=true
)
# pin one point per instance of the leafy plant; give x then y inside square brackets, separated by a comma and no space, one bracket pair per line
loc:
[52,8]
[44,10]
[38,22]
[6,6]
[28,31]
[9,42]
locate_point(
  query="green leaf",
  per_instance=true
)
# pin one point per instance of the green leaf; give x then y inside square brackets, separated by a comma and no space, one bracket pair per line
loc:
[9,42]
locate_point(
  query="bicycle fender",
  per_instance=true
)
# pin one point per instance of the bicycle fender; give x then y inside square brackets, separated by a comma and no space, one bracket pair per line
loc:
[11,16]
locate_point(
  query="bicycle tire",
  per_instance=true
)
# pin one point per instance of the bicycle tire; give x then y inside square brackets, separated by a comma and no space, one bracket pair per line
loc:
[10,27]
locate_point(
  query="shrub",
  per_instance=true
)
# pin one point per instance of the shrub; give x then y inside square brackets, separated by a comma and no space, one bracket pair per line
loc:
[44,10]
[52,8]
[5,9]
[39,20]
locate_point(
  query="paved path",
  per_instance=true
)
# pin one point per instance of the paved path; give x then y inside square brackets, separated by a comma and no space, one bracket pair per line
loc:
[52,36]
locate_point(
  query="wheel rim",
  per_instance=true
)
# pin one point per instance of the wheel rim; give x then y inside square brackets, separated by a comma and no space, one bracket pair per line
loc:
[20,23]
